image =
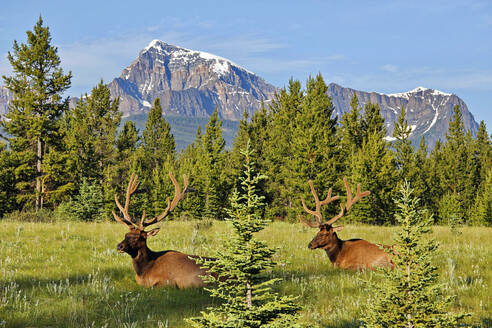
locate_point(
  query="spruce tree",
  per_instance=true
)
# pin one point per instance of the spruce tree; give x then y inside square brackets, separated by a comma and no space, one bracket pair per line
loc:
[420,174]
[410,294]
[403,146]
[192,164]
[8,165]
[374,167]
[157,156]
[283,110]
[157,139]
[351,137]
[315,146]
[372,121]
[458,162]
[91,134]
[481,213]
[483,148]
[126,151]
[246,295]
[91,129]
[32,122]
[214,172]
[435,179]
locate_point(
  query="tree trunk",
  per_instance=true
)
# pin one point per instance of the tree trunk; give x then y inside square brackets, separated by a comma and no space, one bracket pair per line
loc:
[249,302]
[39,161]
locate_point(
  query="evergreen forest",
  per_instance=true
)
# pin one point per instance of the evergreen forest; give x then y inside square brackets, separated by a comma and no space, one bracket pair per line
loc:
[72,161]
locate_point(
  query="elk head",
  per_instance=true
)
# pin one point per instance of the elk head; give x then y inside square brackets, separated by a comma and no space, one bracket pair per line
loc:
[326,237]
[136,239]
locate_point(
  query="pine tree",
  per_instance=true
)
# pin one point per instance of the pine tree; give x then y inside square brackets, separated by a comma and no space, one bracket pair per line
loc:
[157,139]
[215,179]
[156,157]
[410,294]
[482,210]
[420,174]
[403,147]
[91,129]
[374,167]
[33,119]
[8,165]
[435,179]
[372,121]
[315,151]
[457,161]
[483,148]
[91,134]
[126,151]
[351,137]
[247,297]
[283,110]
[192,164]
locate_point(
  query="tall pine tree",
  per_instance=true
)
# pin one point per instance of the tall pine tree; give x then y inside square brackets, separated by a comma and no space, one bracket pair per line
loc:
[314,144]
[38,84]
[214,169]
[157,156]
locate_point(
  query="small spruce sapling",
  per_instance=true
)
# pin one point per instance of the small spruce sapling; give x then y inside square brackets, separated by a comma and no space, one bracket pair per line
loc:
[246,296]
[410,294]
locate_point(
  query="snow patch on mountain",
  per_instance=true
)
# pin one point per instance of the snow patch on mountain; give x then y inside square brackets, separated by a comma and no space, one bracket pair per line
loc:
[183,55]
[407,94]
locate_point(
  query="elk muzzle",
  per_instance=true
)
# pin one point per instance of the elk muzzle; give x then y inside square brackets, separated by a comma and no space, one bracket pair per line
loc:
[121,247]
[314,244]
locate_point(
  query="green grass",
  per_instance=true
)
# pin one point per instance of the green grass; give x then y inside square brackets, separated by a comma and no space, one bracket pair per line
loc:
[70,275]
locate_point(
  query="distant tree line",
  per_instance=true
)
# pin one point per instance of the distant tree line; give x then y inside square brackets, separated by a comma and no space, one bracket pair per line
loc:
[75,160]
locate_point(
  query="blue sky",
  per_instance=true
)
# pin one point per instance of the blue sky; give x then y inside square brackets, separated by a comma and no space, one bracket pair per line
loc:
[383,46]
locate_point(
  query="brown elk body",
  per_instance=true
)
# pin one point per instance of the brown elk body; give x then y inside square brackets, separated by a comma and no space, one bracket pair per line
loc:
[347,254]
[165,268]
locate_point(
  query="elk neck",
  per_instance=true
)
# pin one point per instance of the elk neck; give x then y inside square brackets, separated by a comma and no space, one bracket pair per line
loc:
[143,260]
[334,248]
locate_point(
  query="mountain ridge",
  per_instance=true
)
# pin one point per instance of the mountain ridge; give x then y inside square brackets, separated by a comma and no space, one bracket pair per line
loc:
[193,83]
[428,110]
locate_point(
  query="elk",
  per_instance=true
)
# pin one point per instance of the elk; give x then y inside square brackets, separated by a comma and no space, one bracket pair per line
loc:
[353,254]
[162,268]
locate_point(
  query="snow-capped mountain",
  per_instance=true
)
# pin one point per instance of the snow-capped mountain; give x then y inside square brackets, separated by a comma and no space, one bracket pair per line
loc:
[188,83]
[192,83]
[428,111]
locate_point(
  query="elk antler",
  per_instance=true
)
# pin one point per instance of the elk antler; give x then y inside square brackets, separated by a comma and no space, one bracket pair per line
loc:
[317,212]
[178,195]
[132,187]
[350,201]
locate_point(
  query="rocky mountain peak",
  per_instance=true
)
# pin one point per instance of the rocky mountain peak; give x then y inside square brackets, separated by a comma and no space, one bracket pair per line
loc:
[183,56]
[189,83]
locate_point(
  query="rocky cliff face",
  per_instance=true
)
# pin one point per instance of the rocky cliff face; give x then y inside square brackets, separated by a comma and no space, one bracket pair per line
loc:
[5,97]
[428,110]
[188,83]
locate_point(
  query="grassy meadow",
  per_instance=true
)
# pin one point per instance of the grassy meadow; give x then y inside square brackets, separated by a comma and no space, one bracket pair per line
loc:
[69,274]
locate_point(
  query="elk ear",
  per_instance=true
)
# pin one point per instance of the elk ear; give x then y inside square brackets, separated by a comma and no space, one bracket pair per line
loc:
[153,232]
[339,228]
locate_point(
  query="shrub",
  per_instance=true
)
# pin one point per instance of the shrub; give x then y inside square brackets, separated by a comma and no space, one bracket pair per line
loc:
[42,215]
[88,205]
